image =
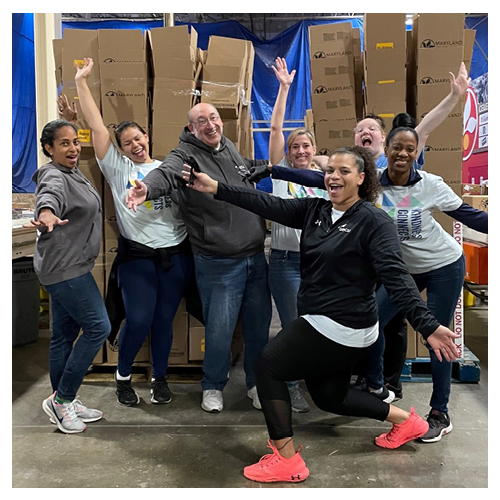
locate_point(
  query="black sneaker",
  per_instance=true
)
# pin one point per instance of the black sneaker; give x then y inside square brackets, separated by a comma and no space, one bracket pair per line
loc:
[386,395]
[160,393]
[439,425]
[125,394]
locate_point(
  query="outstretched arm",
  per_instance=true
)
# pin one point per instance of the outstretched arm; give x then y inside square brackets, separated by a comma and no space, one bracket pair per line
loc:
[100,134]
[276,138]
[436,116]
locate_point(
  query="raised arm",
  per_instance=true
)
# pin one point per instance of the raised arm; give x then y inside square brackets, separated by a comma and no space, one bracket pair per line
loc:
[277,139]
[436,116]
[100,134]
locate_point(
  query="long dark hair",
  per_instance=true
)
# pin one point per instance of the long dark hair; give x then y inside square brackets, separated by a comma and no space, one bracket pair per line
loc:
[49,133]
[370,188]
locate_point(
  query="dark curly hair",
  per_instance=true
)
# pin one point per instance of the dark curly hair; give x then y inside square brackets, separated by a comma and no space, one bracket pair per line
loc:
[370,188]
[122,126]
[404,120]
[49,133]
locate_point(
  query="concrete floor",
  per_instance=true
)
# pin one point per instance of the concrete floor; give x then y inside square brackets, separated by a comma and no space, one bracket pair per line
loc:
[181,446]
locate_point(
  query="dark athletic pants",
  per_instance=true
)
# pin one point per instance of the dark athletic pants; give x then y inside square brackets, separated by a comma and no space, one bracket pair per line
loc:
[299,352]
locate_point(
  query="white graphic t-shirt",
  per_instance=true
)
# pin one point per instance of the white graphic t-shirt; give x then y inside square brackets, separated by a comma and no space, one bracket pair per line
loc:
[425,244]
[283,237]
[156,223]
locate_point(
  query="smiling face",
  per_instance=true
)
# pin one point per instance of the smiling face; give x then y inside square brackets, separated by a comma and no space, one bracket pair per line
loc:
[401,153]
[369,135]
[301,151]
[342,180]
[135,145]
[206,124]
[66,147]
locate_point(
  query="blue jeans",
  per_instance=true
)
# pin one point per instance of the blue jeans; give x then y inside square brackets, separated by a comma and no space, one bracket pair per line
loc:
[151,296]
[76,304]
[228,287]
[443,290]
[284,282]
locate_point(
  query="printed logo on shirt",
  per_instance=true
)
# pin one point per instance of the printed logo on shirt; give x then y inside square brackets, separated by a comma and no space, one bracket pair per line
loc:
[158,203]
[407,215]
[299,191]
[344,228]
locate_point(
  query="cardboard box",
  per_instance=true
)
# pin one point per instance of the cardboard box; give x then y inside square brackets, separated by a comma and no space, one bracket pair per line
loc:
[476,262]
[469,38]
[475,236]
[384,31]
[331,50]
[447,136]
[224,73]
[333,102]
[225,51]
[108,204]
[111,230]
[174,51]
[90,169]
[333,134]
[381,66]
[326,33]
[179,350]
[337,71]
[57,45]
[175,95]
[143,356]
[438,32]
[196,343]
[445,221]
[227,98]
[385,92]
[121,46]
[447,165]
[411,348]
[477,201]
[164,138]
[429,96]
[431,70]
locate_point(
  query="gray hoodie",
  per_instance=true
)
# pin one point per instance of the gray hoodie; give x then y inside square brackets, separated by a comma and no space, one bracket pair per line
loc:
[69,251]
[215,228]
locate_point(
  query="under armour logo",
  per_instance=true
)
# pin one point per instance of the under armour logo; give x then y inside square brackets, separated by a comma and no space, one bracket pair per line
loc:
[318,222]
[295,477]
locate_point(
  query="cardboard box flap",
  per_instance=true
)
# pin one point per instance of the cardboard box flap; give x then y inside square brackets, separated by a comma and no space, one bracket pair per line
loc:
[225,51]
[121,45]
[332,32]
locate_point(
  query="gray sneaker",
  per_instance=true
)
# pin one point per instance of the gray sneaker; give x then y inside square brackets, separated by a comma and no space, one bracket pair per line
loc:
[83,413]
[299,404]
[63,415]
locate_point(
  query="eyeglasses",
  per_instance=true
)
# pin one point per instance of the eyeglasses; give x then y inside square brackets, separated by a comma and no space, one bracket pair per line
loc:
[371,128]
[203,122]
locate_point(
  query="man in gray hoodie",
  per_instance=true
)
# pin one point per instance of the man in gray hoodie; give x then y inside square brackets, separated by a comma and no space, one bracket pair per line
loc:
[228,246]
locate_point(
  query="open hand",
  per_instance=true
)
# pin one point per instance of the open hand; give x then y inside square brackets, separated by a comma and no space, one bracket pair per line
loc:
[460,84]
[441,341]
[136,195]
[284,77]
[201,182]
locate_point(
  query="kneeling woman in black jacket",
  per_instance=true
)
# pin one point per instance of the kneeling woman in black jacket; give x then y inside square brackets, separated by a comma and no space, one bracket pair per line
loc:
[347,245]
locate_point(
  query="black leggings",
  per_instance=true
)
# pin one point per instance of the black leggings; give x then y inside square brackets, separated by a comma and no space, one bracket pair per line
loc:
[299,352]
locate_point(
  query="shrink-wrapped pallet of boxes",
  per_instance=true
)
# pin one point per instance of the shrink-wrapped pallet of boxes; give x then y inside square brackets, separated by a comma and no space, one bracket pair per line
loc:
[333,85]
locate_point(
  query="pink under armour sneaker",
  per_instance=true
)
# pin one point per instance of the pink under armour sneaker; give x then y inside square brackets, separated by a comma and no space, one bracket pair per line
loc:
[273,468]
[400,434]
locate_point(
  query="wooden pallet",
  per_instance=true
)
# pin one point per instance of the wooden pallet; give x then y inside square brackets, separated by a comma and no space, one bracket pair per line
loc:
[463,370]
[190,373]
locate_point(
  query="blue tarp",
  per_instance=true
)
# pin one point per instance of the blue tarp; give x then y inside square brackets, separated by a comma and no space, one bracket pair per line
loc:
[292,44]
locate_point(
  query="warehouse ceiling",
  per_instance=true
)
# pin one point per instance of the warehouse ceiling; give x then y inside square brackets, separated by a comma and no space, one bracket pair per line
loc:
[263,26]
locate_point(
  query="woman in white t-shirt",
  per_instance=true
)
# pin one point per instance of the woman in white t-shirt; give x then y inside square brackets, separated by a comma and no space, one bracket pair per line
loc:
[153,265]
[434,259]
[284,258]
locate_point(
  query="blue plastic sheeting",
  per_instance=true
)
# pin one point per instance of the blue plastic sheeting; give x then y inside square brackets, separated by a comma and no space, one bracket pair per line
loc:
[292,44]
[24,140]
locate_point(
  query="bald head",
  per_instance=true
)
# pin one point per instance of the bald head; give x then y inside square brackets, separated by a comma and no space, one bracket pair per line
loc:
[206,124]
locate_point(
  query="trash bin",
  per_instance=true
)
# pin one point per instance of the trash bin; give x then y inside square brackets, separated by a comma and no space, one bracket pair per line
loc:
[25,302]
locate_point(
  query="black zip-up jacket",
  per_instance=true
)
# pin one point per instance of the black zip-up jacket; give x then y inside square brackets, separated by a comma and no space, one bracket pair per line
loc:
[341,263]
[227,231]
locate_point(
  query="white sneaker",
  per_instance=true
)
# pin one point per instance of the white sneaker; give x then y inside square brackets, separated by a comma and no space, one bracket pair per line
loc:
[252,394]
[63,415]
[212,401]
[83,413]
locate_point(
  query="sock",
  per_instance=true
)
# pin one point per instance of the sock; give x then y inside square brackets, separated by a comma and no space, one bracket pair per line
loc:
[378,391]
[120,377]
[61,401]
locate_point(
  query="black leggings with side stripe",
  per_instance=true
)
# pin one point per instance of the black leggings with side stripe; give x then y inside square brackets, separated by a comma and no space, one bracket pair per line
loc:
[299,352]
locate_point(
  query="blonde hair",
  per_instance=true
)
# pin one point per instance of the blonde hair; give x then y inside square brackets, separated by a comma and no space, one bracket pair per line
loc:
[294,134]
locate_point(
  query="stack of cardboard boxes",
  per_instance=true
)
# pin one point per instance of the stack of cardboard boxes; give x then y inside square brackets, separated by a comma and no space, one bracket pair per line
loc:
[227,84]
[333,85]
[176,67]
[385,65]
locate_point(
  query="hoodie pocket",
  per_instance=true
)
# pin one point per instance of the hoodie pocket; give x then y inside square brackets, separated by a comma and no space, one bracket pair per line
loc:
[91,247]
